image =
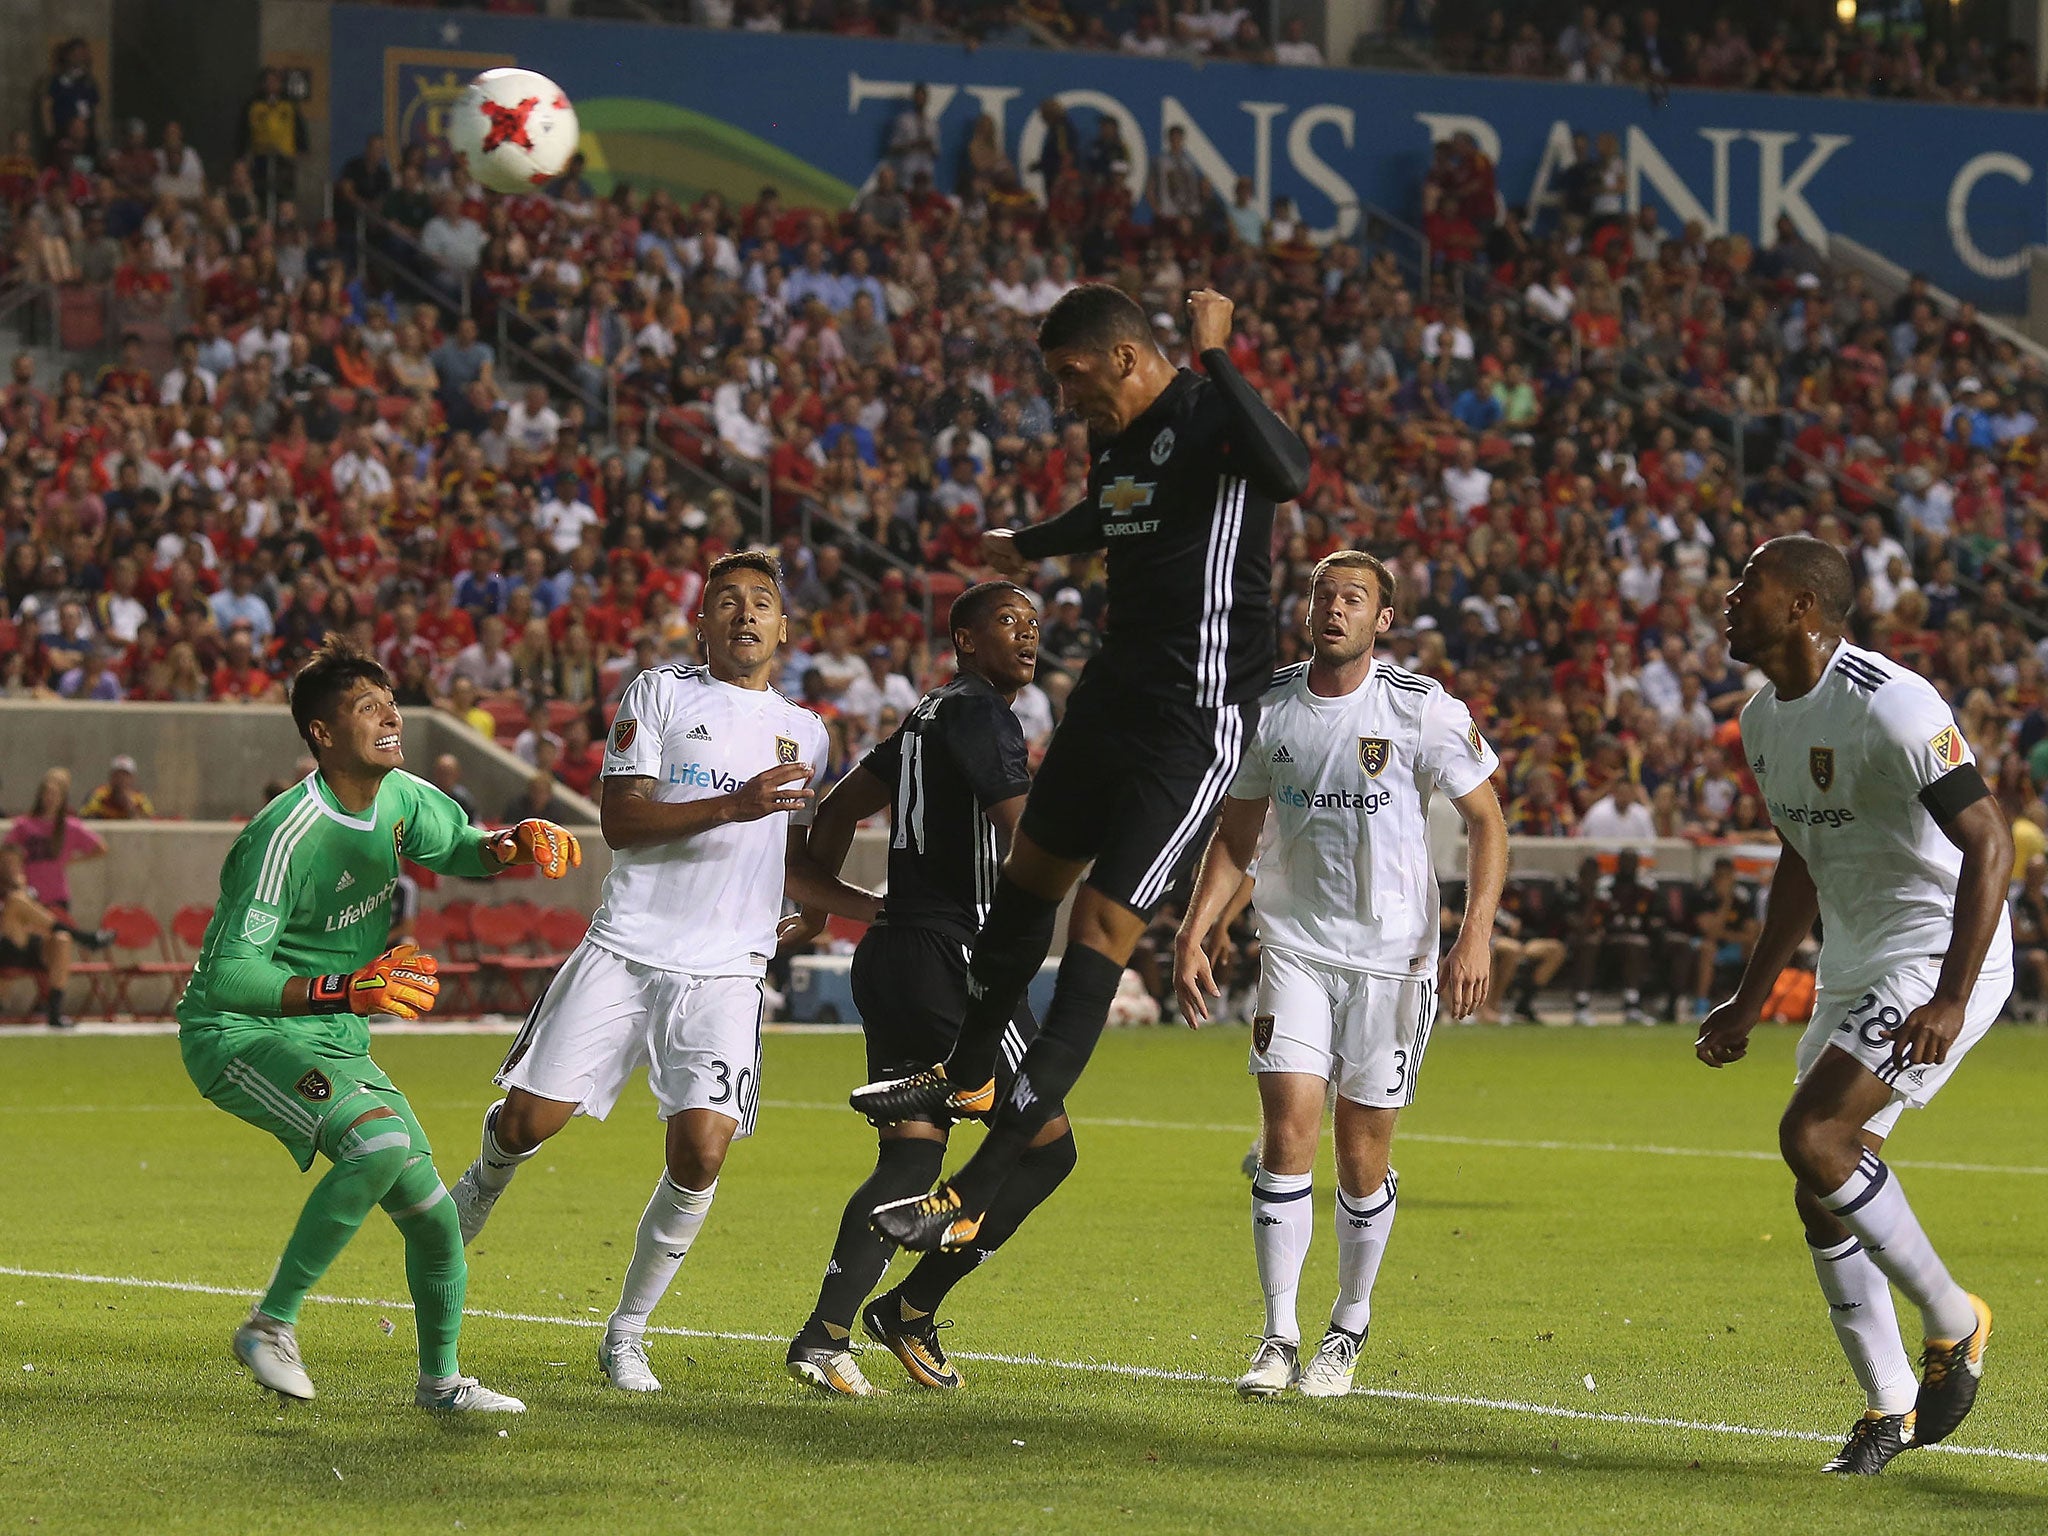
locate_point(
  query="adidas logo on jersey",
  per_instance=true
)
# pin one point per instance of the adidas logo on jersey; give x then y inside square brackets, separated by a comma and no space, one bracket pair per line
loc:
[698,733]
[348,878]
[1282,755]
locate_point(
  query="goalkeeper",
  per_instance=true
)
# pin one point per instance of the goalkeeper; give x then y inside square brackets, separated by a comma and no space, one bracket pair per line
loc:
[273,1029]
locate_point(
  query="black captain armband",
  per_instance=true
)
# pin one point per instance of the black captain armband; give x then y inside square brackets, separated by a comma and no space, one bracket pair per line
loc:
[1954,792]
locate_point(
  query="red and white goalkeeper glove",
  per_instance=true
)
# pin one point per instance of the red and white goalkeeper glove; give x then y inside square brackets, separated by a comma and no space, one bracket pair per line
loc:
[400,981]
[553,850]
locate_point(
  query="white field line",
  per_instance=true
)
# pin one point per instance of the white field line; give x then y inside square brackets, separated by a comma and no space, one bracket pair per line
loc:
[1489,1143]
[1094,1367]
[485,1024]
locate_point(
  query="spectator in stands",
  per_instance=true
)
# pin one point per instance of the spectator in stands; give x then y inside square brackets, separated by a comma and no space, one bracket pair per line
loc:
[51,840]
[91,680]
[538,736]
[1176,187]
[273,136]
[33,938]
[2030,934]
[365,181]
[446,776]
[120,798]
[239,603]
[70,103]
[454,243]
[1528,948]
[1620,812]
[1295,47]
[537,798]
[914,138]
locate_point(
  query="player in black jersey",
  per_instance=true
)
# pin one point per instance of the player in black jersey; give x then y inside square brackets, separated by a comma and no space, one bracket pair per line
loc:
[953,779]
[1187,473]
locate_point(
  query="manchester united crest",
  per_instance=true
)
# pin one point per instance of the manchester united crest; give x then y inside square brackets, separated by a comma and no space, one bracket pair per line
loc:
[786,750]
[1372,754]
[1262,1033]
[1820,762]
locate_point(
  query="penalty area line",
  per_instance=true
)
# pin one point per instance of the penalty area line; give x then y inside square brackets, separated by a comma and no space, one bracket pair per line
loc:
[1092,1367]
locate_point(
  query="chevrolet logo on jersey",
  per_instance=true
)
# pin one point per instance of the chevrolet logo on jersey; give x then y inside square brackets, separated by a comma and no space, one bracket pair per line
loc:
[1820,762]
[1121,497]
[1372,754]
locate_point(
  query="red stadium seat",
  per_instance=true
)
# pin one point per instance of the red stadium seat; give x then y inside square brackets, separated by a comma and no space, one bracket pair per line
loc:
[141,953]
[504,944]
[434,933]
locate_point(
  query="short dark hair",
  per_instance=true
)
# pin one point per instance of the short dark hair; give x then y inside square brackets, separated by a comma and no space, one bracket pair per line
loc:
[743,560]
[325,680]
[1094,316]
[1358,559]
[1818,567]
[978,601]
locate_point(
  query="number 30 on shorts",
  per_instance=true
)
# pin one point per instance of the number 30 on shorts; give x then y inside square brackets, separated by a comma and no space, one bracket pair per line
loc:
[734,1088]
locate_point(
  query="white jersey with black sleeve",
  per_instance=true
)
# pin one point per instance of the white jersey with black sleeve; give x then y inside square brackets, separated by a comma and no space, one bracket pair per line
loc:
[1344,870]
[1844,769]
[706,904]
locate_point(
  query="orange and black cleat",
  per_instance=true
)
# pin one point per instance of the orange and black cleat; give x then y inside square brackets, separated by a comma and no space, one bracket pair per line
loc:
[927,1223]
[1950,1370]
[927,1095]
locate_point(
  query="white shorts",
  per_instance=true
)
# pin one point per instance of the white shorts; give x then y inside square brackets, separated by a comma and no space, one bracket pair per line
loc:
[1365,1033]
[1854,1023]
[603,1015]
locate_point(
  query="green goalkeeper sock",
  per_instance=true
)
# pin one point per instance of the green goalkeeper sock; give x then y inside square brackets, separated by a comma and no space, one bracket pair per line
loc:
[436,1272]
[370,1158]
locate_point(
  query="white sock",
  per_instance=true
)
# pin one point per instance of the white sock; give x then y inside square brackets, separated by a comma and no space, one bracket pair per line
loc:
[1283,1222]
[494,1166]
[1860,1307]
[1362,1228]
[1872,1206]
[667,1228]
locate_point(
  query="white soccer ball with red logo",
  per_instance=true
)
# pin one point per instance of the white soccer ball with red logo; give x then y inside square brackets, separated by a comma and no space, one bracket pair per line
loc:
[514,129]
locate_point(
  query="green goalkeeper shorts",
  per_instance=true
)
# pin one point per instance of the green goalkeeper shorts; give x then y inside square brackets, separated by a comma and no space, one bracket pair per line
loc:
[304,1094]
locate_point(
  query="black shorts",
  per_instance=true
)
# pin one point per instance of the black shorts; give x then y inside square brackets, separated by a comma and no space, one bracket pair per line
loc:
[22,957]
[1131,782]
[910,985]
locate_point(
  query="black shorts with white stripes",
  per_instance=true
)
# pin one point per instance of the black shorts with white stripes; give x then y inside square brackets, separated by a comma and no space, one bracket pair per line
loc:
[910,985]
[1132,782]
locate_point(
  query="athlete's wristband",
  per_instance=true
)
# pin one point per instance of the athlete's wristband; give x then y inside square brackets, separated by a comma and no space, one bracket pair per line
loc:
[327,994]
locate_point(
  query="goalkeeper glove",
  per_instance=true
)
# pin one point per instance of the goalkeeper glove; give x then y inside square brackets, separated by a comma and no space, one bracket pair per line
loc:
[400,981]
[552,849]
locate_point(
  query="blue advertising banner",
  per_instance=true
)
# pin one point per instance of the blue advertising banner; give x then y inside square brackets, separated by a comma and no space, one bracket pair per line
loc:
[1957,192]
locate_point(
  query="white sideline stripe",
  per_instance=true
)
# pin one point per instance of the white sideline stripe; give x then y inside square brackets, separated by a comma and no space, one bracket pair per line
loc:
[489,1024]
[1491,1143]
[1095,1367]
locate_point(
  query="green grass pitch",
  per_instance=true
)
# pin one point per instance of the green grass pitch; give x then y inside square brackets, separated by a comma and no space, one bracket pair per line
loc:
[1595,1262]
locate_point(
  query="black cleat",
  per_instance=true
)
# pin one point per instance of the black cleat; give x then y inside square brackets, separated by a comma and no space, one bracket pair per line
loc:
[1950,1370]
[1873,1440]
[926,1095]
[927,1223]
[915,1344]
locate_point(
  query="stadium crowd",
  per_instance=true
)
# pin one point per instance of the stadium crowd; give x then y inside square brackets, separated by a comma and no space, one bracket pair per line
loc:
[1534,432]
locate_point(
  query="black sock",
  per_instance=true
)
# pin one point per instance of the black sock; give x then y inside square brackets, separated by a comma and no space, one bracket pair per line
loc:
[1051,1066]
[1012,944]
[53,1005]
[904,1166]
[1038,1173]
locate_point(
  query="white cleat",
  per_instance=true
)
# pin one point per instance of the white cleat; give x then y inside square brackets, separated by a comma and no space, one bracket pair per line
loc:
[472,1204]
[832,1370]
[270,1350]
[622,1360]
[1274,1368]
[1336,1359]
[468,1395]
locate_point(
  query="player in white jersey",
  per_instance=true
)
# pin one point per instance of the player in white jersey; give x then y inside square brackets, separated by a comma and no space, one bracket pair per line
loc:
[1893,840]
[1332,799]
[708,779]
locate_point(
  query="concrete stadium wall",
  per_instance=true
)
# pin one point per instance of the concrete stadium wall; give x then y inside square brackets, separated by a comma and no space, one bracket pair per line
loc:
[209,762]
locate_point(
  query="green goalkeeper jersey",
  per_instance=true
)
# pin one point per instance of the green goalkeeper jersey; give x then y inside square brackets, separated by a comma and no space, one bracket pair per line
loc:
[306,891]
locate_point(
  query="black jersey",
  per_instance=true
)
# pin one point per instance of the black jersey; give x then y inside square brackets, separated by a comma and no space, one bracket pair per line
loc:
[959,752]
[1183,501]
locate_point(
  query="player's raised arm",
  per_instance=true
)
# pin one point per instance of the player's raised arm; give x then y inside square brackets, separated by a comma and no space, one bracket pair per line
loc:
[1274,458]
[1232,847]
[1789,911]
[438,836]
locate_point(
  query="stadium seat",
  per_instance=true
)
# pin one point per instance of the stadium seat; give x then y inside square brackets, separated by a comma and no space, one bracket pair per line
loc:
[140,953]
[434,933]
[188,930]
[504,945]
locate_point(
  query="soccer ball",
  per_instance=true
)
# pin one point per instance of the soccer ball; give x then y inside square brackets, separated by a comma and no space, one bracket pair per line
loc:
[513,129]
